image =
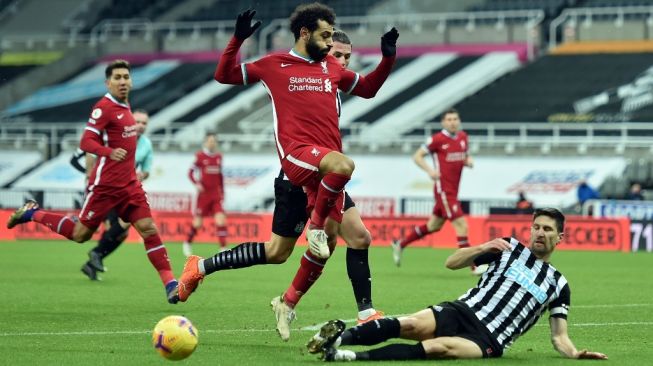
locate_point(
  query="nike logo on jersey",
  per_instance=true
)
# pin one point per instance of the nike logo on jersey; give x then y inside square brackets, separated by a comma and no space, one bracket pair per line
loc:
[285,65]
[120,115]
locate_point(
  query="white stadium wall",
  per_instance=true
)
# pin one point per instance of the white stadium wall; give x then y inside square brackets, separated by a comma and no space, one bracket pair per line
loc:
[381,184]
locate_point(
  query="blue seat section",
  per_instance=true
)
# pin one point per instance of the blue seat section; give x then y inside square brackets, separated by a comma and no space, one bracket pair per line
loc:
[75,90]
[158,94]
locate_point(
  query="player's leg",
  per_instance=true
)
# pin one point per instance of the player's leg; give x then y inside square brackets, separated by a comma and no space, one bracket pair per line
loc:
[287,224]
[158,255]
[221,227]
[310,269]
[115,232]
[195,225]
[336,170]
[459,224]
[418,326]
[137,211]
[77,231]
[325,172]
[439,330]
[434,223]
[275,251]
[435,348]
[358,239]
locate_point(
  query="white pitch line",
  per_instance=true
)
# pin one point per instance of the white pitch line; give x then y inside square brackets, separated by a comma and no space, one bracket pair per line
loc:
[611,306]
[309,328]
[313,327]
[114,332]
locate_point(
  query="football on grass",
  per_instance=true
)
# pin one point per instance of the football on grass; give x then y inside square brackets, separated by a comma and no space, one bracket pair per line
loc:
[174,337]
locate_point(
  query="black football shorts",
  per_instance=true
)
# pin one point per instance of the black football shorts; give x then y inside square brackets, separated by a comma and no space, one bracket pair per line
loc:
[290,215]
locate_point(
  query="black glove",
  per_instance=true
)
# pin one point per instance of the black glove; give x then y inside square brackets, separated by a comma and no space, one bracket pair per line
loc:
[389,42]
[244,27]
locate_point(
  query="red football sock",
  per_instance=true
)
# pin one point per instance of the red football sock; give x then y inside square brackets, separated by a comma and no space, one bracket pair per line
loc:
[418,232]
[60,224]
[310,269]
[462,241]
[222,235]
[191,234]
[330,187]
[158,256]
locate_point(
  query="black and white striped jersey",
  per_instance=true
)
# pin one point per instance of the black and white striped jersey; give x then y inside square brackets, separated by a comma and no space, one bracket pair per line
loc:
[514,292]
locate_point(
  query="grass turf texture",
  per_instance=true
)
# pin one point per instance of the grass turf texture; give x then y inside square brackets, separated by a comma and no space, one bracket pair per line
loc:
[52,314]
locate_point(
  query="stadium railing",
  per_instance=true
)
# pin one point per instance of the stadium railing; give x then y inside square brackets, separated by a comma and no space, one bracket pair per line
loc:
[569,25]
[506,138]
[432,28]
[429,28]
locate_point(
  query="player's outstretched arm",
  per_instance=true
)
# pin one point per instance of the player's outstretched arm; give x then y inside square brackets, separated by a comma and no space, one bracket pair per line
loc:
[564,345]
[369,85]
[228,70]
[464,257]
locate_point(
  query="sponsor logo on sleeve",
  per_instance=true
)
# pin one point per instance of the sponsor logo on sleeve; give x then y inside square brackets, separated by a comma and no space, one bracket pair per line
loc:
[97,113]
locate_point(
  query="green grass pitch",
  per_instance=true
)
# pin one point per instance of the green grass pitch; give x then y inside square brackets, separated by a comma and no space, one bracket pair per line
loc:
[53,315]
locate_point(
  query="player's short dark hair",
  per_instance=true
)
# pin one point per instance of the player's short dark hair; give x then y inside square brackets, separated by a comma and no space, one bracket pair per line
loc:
[340,36]
[449,111]
[116,64]
[141,110]
[210,134]
[553,213]
[307,15]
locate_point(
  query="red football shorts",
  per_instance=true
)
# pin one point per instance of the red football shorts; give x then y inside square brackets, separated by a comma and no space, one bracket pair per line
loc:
[447,206]
[301,166]
[130,202]
[207,204]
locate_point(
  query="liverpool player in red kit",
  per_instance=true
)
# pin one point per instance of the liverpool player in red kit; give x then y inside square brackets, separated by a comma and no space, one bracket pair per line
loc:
[206,175]
[111,135]
[448,148]
[302,85]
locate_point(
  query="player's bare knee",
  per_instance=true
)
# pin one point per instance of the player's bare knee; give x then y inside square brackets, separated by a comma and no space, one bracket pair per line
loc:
[275,253]
[408,325]
[145,228]
[81,234]
[362,240]
[80,237]
[436,349]
[344,165]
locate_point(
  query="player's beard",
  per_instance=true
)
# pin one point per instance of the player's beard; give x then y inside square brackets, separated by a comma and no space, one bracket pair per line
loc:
[315,52]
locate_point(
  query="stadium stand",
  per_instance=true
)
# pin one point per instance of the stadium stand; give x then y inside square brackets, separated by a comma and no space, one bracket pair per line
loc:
[550,88]
[550,7]
[267,10]
[30,19]
[185,101]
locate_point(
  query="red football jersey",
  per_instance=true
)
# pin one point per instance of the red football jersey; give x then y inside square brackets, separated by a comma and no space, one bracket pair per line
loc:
[207,170]
[304,98]
[303,93]
[449,153]
[113,122]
